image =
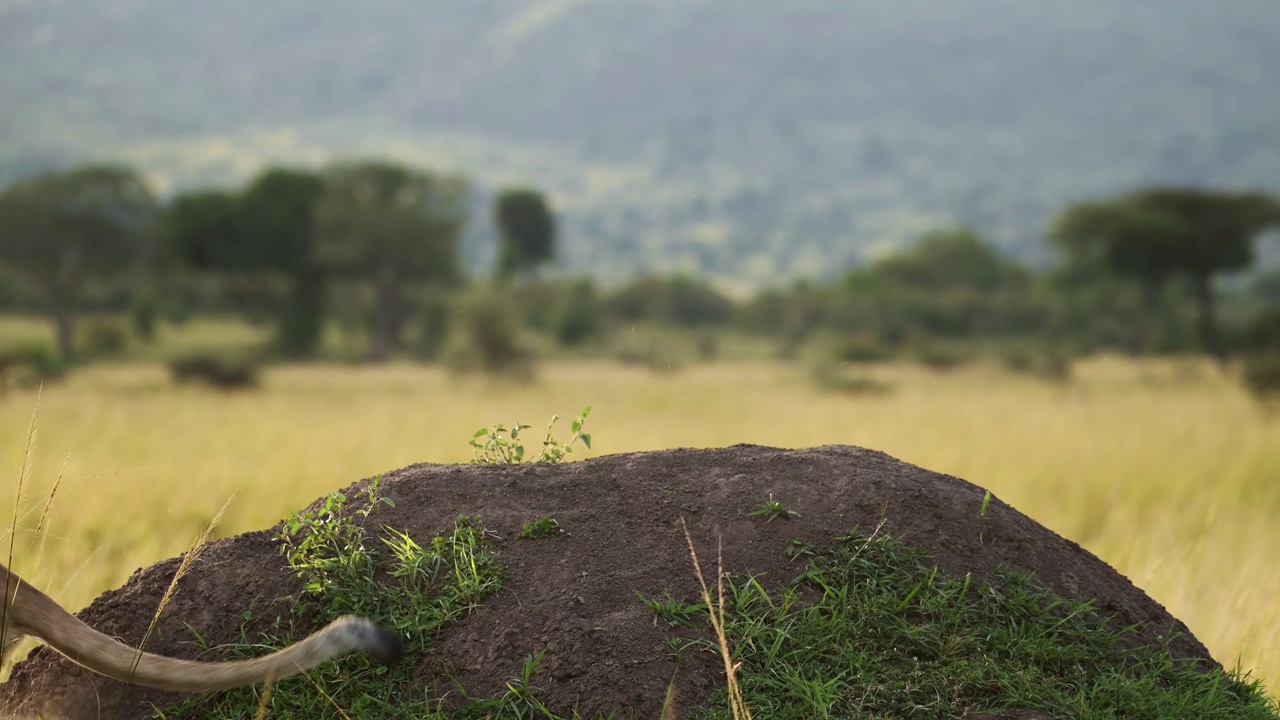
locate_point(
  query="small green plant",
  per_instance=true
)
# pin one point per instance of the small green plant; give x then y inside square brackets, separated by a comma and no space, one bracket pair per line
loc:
[982,515]
[797,549]
[672,610]
[773,510]
[500,445]
[540,528]
[519,701]
[412,589]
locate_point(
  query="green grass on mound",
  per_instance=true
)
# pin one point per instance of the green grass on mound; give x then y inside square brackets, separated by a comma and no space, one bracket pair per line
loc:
[870,630]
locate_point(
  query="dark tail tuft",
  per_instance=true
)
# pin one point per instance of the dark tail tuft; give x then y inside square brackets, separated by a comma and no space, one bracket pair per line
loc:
[386,648]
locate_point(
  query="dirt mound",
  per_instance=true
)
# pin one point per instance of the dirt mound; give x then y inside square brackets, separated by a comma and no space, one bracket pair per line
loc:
[574,597]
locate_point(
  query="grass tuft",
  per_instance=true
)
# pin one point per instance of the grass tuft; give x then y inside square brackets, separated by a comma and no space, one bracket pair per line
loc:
[343,571]
[871,630]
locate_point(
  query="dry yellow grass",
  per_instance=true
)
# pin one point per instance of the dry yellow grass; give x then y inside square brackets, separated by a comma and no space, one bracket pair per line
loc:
[1165,470]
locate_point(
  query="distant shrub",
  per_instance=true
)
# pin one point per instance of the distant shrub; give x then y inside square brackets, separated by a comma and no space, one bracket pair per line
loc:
[1262,334]
[941,357]
[484,337]
[1042,361]
[30,365]
[578,314]
[707,345]
[1262,376]
[833,379]
[433,328]
[1261,372]
[45,363]
[144,311]
[862,348]
[536,304]
[103,338]
[215,371]
[682,301]
[650,350]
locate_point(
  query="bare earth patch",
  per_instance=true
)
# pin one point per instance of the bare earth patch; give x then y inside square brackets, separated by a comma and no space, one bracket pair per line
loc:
[575,597]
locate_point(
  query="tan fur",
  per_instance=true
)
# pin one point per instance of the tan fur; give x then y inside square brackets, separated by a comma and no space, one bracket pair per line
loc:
[27,611]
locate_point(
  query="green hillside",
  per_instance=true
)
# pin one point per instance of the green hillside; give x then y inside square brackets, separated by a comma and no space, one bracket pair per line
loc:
[750,139]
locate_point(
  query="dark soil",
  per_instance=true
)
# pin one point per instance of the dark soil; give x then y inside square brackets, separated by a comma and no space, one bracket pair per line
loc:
[574,597]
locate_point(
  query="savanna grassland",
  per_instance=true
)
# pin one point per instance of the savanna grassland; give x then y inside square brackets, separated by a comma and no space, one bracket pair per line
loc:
[1165,469]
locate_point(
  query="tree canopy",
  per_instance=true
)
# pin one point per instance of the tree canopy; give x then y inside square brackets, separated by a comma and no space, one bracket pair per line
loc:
[528,231]
[390,224]
[1152,234]
[63,228]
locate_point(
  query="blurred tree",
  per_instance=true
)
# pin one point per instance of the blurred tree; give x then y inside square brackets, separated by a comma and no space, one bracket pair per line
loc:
[951,283]
[1267,285]
[528,231]
[277,219]
[202,228]
[389,224]
[268,228]
[62,229]
[1213,232]
[945,259]
[578,313]
[1124,239]
[1261,372]
[679,300]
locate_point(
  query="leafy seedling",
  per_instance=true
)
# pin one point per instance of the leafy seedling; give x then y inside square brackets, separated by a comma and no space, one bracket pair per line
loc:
[773,510]
[797,549]
[672,610]
[500,445]
[541,528]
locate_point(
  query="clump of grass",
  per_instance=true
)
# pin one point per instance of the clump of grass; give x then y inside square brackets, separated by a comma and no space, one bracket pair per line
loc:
[500,445]
[871,631]
[772,510]
[738,708]
[540,528]
[797,549]
[343,570]
[673,610]
[520,700]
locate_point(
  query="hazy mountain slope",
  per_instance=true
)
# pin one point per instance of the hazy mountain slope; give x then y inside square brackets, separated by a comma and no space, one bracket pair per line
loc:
[749,137]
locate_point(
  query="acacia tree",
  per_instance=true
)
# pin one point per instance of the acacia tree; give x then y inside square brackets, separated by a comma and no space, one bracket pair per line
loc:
[390,225]
[1210,232]
[63,229]
[1121,238]
[527,229]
